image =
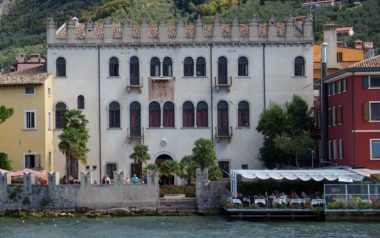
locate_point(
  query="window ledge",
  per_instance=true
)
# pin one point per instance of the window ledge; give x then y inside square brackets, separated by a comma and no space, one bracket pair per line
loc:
[194,77]
[162,128]
[30,129]
[243,77]
[61,77]
[299,77]
[114,128]
[243,127]
[113,77]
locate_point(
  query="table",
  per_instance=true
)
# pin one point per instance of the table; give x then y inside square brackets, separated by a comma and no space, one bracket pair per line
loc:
[297,201]
[262,201]
[317,201]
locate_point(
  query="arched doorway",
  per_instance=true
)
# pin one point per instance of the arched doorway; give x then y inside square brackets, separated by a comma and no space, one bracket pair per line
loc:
[164,180]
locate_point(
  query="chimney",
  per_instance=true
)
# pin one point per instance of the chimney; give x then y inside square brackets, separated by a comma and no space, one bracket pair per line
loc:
[329,36]
[20,58]
[358,44]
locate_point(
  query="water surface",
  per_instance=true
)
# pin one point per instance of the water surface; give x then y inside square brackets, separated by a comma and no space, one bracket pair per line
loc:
[179,227]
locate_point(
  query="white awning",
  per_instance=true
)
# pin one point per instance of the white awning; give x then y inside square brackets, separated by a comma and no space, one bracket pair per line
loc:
[341,175]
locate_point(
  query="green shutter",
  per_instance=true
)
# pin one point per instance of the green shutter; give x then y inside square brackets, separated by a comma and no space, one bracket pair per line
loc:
[365,82]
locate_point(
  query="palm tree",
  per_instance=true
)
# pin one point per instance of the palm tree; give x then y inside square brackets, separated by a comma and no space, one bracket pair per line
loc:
[187,168]
[203,153]
[74,140]
[168,169]
[140,155]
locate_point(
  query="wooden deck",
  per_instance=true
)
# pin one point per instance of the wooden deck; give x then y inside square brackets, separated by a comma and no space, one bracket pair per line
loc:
[274,214]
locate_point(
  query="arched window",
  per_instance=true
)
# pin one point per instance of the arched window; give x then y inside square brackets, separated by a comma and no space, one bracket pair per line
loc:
[167,67]
[243,66]
[188,114]
[114,115]
[154,114]
[168,115]
[188,67]
[134,71]
[135,119]
[61,67]
[299,66]
[80,102]
[223,118]
[243,114]
[222,70]
[202,114]
[201,66]
[114,66]
[60,110]
[155,67]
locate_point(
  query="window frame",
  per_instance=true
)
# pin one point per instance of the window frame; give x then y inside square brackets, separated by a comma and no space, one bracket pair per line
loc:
[187,112]
[188,67]
[156,110]
[243,111]
[222,70]
[27,119]
[370,111]
[168,115]
[200,67]
[341,149]
[60,64]
[202,112]
[134,70]
[80,102]
[155,67]
[299,67]
[115,113]
[37,161]
[369,81]
[167,67]
[243,70]
[371,148]
[114,67]
[60,117]
[28,87]
[135,118]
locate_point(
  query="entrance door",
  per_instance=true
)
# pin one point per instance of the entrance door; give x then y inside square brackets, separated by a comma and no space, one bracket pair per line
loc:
[164,180]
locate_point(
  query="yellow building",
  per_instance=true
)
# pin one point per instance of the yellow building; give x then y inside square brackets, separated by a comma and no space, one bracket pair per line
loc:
[27,136]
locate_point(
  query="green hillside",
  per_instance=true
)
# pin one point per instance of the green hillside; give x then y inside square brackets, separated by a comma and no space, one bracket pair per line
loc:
[23,29]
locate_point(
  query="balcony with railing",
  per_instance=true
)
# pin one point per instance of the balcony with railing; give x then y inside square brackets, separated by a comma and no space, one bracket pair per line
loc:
[136,133]
[223,82]
[223,133]
[134,83]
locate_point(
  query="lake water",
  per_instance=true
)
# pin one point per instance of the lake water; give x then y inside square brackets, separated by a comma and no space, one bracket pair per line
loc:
[179,227]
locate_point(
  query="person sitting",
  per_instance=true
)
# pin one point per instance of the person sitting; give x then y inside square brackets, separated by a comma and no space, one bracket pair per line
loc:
[108,180]
[71,179]
[135,179]
[127,180]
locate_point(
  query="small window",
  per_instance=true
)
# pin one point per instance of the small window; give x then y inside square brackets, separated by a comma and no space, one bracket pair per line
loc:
[330,149]
[49,92]
[343,85]
[341,149]
[329,117]
[168,115]
[155,67]
[49,121]
[60,110]
[114,115]
[374,81]
[374,111]
[339,115]
[80,102]
[334,116]
[337,87]
[188,114]
[225,168]
[299,66]
[339,56]
[114,67]
[243,66]
[29,90]
[167,67]
[243,114]
[244,166]
[201,66]
[188,67]
[154,114]
[30,120]
[334,150]
[375,149]
[32,161]
[61,67]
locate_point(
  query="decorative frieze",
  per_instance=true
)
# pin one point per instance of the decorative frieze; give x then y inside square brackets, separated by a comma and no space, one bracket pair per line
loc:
[136,32]
[226,30]
[262,30]
[280,27]
[244,30]
[99,30]
[172,31]
[153,31]
[207,30]
[117,31]
[189,31]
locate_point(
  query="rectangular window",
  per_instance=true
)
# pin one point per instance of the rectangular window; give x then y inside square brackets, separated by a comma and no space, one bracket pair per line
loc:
[334,116]
[329,117]
[334,150]
[49,121]
[328,90]
[338,87]
[49,92]
[339,56]
[343,85]
[341,152]
[244,166]
[332,88]
[374,81]
[30,119]
[374,111]
[225,167]
[32,161]
[339,115]
[330,149]
[375,148]
[29,90]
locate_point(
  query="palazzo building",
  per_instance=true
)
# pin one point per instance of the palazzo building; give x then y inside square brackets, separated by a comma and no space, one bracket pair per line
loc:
[167,85]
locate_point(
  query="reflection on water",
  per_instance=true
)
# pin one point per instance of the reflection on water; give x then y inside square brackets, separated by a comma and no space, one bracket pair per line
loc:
[182,227]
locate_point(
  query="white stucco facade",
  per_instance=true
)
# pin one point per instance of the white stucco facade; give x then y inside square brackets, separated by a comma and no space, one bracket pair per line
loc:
[271,79]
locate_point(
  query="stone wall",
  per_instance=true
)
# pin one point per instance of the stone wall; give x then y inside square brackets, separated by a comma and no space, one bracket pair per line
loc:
[57,196]
[210,194]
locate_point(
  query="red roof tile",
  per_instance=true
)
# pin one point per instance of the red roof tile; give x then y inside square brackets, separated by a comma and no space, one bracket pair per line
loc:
[30,76]
[373,62]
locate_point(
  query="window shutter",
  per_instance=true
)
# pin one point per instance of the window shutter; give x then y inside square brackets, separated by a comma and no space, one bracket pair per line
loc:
[366,111]
[365,81]
[38,161]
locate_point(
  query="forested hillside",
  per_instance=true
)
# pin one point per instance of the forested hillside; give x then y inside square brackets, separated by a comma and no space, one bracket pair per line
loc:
[23,29]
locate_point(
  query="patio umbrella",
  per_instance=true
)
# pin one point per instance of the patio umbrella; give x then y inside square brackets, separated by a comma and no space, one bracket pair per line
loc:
[20,173]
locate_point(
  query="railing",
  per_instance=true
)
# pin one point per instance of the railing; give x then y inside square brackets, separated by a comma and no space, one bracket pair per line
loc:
[225,82]
[352,196]
[138,84]
[223,133]
[135,133]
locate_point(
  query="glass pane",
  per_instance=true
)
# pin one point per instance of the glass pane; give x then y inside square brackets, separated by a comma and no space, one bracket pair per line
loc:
[375,81]
[375,111]
[375,148]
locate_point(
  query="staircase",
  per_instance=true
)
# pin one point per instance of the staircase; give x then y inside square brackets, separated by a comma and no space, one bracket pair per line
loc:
[177,204]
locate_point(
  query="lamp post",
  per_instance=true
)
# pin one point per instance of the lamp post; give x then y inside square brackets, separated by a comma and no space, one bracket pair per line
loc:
[324,104]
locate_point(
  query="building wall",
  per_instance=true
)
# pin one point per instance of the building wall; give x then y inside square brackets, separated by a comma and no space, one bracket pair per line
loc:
[17,141]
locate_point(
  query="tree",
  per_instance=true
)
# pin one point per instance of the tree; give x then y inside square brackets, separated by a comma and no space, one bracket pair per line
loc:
[140,154]
[286,133]
[169,168]
[214,172]
[151,168]
[5,113]
[5,163]
[203,153]
[187,168]
[73,140]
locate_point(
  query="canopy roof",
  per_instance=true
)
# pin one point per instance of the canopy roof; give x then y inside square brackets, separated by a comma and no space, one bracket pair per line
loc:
[341,175]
